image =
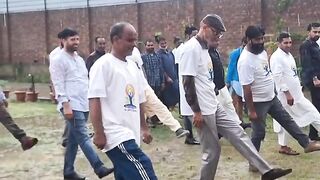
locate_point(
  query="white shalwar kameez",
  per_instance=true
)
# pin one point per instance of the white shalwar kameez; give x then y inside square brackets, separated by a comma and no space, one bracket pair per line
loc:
[284,70]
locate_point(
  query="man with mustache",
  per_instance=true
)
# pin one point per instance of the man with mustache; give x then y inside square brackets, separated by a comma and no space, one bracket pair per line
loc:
[310,61]
[259,93]
[100,50]
[69,76]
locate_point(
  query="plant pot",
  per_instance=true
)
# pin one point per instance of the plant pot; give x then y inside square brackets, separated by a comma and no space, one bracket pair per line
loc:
[32,96]
[6,93]
[20,96]
[52,97]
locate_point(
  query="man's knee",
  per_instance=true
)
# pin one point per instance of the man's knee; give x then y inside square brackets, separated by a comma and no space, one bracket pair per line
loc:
[258,134]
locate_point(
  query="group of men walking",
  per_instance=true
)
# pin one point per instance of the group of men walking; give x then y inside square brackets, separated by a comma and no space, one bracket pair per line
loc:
[121,88]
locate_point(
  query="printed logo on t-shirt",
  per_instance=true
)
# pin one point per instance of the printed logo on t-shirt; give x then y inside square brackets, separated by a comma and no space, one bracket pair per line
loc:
[210,69]
[267,69]
[295,71]
[130,93]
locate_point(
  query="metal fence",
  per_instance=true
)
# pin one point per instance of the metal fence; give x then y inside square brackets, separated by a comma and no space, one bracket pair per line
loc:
[14,6]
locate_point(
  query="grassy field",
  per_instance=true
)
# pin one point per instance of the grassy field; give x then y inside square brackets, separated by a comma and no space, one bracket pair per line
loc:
[172,159]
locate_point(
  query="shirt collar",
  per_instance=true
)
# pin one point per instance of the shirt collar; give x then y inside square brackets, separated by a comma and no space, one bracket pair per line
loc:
[202,42]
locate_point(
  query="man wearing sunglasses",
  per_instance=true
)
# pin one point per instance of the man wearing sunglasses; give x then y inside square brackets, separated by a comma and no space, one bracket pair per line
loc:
[208,115]
[310,61]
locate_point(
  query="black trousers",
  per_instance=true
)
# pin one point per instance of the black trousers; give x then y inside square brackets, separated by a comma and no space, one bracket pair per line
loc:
[315,98]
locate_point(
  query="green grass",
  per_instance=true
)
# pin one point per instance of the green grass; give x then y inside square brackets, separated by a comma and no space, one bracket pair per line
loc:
[28,109]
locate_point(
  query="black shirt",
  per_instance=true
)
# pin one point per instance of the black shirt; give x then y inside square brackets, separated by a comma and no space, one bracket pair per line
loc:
[218,70]
[92,59]
[310,62]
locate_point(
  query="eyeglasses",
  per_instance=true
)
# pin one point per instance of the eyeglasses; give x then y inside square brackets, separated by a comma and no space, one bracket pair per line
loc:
[219,34]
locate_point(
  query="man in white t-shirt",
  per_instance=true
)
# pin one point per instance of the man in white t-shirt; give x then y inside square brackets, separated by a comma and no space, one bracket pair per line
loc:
[285,73]
[208,115]
[116,93]
[259,92]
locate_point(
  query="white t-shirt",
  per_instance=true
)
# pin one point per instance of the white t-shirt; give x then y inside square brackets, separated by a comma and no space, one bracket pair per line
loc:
[177,53]
[118,84]
[254,69]
[318,42]
[196,61]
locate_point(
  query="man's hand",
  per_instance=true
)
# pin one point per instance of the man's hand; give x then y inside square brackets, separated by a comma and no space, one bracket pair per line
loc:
[290,99]
[169,80]
[253,116]
[197,119]
[316,82]
[4,103]
[100,140]
[146,136]
[67,110]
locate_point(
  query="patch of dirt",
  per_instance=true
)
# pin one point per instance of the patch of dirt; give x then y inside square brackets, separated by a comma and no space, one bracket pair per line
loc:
[172,159]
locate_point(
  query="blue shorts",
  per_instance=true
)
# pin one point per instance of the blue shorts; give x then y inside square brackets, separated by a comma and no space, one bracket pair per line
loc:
[130,163]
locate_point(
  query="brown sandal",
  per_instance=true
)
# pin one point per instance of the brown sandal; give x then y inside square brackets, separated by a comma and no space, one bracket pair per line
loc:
[288,151]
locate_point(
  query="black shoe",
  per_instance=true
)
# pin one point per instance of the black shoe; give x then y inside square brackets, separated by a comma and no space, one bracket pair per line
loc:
[191,141]
[275,173]
[64,143]
[315,138]
[182,132]
[91,134]
[74,176]
[245,125]
[104,172]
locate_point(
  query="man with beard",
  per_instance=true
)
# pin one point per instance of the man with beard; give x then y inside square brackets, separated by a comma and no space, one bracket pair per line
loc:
[310,61]
[259,93]
[209,116]
[285,74]
[100,50]
[152,65]
[116,94]
[70,79]
[170,94]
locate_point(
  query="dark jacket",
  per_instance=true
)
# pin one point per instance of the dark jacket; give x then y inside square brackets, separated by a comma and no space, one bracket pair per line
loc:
[310,61]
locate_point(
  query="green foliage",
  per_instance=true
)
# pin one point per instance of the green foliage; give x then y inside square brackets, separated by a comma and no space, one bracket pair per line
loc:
[298,36]
[279,24]
[271,46]
[283,5]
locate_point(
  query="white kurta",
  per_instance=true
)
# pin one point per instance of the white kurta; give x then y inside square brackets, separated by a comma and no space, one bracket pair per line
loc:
[284,70]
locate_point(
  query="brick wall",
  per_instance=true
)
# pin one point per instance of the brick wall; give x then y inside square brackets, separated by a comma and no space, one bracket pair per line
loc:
[31,41]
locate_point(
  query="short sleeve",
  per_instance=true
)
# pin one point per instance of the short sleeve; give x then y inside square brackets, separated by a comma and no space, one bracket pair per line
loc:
[142,87]
[246,72]
[97,82]
[188,62]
